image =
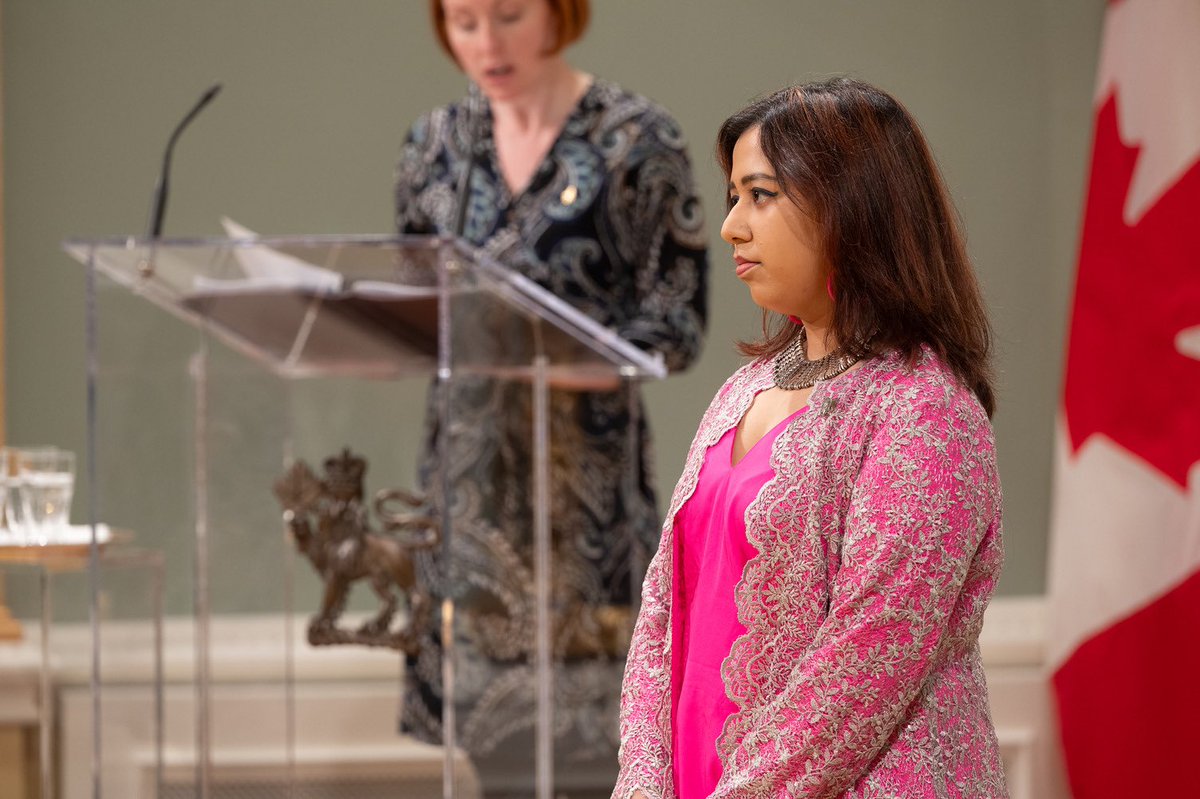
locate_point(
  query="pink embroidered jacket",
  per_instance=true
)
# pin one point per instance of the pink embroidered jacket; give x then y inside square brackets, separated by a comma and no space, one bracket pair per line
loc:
[878,548]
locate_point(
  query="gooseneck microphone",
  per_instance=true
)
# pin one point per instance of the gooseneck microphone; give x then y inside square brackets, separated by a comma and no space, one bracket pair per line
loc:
[158,207]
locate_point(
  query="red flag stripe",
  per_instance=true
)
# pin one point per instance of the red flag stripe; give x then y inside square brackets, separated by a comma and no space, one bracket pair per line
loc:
[1129,700]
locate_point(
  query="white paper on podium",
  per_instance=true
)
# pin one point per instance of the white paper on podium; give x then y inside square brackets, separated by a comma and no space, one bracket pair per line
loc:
[266,269]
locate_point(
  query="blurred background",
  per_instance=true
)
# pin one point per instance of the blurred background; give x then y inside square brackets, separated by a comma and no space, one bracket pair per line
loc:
[317,98]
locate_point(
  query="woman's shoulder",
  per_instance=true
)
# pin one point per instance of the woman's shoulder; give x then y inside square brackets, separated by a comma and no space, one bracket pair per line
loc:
[892,383]
[623,108]
[430,128]
[611,94]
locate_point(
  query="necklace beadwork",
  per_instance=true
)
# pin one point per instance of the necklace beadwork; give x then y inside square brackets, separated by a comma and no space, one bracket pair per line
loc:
[793,369]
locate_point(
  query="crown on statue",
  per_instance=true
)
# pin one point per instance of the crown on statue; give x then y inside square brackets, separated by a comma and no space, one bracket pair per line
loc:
[344,474]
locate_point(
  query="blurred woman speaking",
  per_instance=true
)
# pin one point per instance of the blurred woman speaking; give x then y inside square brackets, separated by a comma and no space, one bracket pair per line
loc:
[585,188]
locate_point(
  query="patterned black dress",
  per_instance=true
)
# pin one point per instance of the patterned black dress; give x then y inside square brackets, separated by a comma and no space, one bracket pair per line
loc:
[611,223]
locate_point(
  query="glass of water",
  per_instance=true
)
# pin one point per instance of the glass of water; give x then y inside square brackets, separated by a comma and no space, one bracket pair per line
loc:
[45,483]
[10,516]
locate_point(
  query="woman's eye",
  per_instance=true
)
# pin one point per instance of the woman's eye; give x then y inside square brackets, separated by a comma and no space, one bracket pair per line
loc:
[758,195]
[463,24]
[509,13]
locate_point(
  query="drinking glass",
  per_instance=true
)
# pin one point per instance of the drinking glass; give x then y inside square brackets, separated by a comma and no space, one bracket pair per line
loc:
[45,483]
[10,516]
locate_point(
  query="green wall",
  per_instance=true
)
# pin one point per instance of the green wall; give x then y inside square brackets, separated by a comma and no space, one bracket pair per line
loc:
[318,95]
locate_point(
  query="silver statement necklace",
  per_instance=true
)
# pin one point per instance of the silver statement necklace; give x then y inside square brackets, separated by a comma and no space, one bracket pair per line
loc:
[793,369]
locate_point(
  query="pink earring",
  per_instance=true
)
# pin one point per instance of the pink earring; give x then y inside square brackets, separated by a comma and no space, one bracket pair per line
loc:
[829,287]
[796,320]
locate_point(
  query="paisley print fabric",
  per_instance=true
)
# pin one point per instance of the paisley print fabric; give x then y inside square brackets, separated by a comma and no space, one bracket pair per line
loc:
[611,223]
[878,546]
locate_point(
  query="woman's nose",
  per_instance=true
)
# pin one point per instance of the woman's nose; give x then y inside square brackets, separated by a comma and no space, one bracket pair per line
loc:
[733,229]
[489,37]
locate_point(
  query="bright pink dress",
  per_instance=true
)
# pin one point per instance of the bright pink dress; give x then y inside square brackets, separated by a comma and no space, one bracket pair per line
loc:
[879,540]
[711,542]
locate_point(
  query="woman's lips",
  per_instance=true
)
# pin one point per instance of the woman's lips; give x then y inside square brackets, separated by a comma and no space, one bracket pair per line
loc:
[498,73]
[742,266]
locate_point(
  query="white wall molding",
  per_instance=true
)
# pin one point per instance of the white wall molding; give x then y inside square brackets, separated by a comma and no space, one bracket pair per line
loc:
[346,701]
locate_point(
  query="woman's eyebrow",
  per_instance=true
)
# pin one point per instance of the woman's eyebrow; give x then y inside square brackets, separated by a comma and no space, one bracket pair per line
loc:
[755,176]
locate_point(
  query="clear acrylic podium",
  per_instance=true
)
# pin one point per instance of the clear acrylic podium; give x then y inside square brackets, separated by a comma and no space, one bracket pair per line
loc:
[216,364]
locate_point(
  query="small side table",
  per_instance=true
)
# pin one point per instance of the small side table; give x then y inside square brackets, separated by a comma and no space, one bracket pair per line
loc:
[48,566]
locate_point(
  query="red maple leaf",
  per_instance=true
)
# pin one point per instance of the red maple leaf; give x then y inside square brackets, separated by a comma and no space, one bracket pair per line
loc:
[1138,286]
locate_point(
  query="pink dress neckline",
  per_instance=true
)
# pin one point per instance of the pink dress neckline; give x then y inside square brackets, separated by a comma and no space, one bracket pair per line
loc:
[710,540]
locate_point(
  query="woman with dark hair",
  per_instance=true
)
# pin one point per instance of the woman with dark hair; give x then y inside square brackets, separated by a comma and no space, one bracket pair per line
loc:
[586,189]
[809,625]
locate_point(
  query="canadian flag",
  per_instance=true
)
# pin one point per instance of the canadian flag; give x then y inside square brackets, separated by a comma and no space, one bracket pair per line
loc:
[1125,561]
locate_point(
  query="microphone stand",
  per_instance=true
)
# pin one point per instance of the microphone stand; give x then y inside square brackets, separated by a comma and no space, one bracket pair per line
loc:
[158,206]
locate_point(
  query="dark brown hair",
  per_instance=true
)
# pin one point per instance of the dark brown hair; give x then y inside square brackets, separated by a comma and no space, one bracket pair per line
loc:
[572,16]
[856,159]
